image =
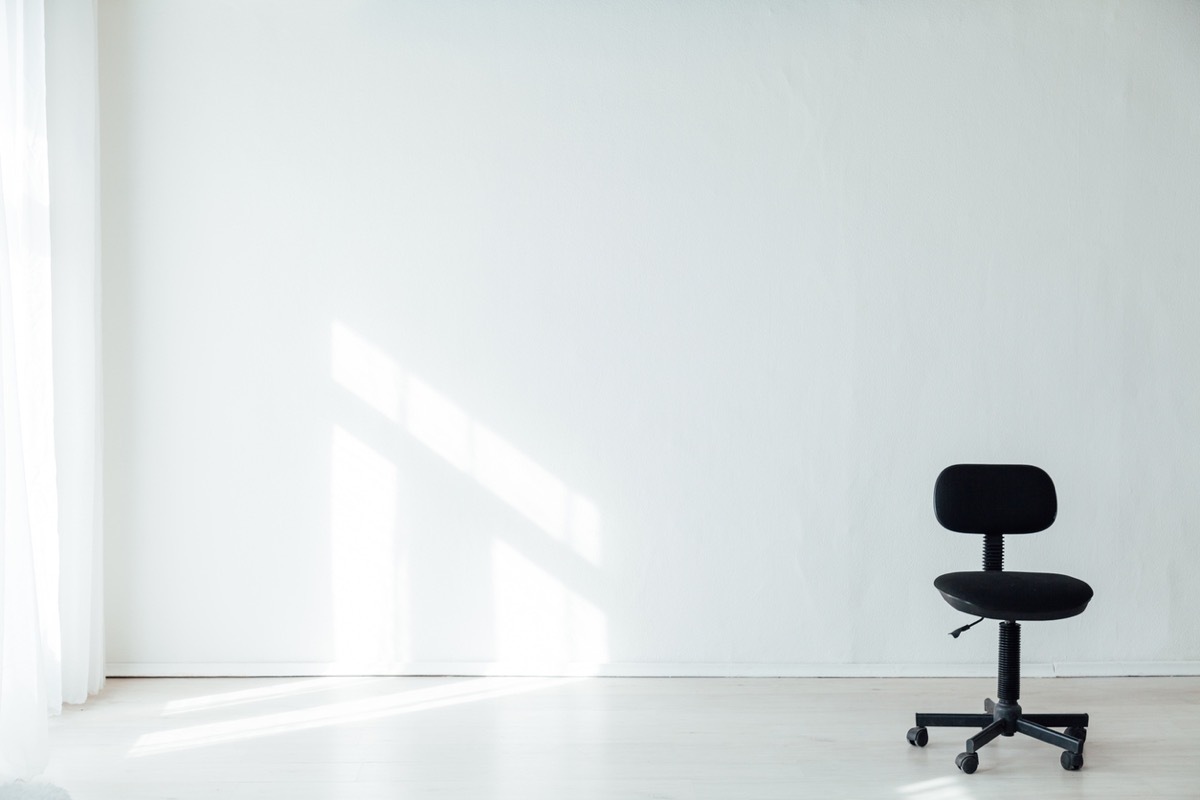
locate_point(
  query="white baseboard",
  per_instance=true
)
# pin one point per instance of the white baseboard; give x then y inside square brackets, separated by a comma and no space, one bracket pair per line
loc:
[1073,669]
[1106,669]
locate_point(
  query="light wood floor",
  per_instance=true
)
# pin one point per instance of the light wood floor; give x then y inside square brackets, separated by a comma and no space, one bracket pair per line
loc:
[575,739]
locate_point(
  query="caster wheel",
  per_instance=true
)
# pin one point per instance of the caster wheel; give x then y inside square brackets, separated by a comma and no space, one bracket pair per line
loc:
[918,736]
[967,762]
[1071,761]
[1078,733]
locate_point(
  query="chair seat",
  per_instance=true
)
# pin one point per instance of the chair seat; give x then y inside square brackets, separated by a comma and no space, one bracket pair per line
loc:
[1015,595]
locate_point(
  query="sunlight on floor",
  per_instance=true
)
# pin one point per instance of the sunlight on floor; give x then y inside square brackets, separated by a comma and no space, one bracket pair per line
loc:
[948,788]
[258,694]
[339,713]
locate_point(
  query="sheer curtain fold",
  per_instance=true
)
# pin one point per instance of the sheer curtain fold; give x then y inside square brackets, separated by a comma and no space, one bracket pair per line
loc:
[74,147]
[50,593]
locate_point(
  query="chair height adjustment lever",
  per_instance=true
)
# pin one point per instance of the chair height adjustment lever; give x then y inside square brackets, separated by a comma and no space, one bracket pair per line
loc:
[956,632]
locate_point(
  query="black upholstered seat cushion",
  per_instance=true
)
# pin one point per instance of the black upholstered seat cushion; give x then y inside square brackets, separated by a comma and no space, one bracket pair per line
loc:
[1015,595]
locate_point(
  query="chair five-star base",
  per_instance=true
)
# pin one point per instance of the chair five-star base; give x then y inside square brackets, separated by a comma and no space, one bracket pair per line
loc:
[1005,717]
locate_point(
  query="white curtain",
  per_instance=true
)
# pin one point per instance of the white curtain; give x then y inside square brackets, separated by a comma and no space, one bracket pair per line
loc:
[51,637]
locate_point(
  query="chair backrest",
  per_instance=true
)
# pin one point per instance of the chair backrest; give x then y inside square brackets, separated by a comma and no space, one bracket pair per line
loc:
[995,498]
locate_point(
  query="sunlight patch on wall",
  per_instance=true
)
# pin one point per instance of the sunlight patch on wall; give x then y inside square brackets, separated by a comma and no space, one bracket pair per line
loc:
[539,620]
[439,424]
[365,571]
[366,371]
[433,419]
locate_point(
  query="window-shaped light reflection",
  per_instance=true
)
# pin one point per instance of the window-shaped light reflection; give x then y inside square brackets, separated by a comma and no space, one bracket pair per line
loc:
[519,481]
[539,621]
[441,425]
[367,372]
[365,570]
[583,528]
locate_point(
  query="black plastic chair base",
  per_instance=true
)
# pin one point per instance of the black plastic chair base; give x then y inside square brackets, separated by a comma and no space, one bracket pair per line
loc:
[1007,719]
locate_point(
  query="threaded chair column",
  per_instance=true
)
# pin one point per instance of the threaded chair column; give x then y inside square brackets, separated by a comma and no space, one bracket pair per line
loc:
[1009,687]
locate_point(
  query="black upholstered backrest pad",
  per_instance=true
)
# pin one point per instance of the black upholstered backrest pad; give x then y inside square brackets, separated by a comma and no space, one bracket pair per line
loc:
[994,498]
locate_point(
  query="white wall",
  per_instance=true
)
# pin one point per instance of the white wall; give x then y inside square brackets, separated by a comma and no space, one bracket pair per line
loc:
[631,337]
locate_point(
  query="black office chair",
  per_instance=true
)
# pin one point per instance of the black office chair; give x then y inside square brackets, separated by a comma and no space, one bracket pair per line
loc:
[999,499]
